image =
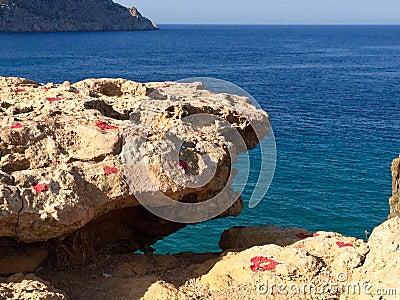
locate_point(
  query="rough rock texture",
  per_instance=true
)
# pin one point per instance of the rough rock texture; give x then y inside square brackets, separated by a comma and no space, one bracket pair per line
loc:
[69,15]
[324,266]
[361,270]
[395,200]
[80,154]
[29,287]
[382,264]
[313,260]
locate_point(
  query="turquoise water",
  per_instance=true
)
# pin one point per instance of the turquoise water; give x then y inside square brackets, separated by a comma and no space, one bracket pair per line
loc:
[332,92]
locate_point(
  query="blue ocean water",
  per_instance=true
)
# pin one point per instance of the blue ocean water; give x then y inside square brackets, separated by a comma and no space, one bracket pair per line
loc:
[332,92]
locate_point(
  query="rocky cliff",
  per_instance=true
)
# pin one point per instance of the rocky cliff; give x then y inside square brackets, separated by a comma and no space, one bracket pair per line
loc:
[69,15]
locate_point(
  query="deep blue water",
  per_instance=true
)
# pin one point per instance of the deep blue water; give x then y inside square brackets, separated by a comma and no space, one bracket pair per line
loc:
[332,92]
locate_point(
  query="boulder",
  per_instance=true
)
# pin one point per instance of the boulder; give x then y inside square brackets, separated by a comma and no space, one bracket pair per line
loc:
[82,159]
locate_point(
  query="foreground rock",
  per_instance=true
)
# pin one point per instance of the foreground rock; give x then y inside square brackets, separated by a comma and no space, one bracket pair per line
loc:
[29,287]
[69,15]
[76,158]
[324,266]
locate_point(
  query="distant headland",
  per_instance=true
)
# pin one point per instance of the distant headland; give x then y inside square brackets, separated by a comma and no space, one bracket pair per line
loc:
[70,15]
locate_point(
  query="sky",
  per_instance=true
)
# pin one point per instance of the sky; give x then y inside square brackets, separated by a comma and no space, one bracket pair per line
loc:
[268,11]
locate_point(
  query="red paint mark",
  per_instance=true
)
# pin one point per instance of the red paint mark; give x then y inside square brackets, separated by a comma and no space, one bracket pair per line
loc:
[183,165]
[53,99]
[110,170]
[41,121]
[303,235]
[203,101]
[342,244]
[45,89]
[261,263]
[299,246]
[104,126]
[20,90]
[315,234]
[199,132]
[17,126]
[41,187]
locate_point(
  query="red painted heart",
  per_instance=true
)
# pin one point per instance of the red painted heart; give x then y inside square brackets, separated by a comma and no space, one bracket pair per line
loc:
[41,187]
[342,244]
[261,263]
[105,126]
[110,170]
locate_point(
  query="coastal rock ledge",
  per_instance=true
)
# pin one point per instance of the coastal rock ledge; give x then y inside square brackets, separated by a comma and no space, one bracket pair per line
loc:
[295,265]
[70,15]
[75,158]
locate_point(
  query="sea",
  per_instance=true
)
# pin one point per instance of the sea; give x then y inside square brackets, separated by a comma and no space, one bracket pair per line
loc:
[332,93]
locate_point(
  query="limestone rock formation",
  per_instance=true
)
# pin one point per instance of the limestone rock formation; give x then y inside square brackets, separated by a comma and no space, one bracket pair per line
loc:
[325,265]
[395,200]
[351,268]
[79,155]
[69,15]
[381,265]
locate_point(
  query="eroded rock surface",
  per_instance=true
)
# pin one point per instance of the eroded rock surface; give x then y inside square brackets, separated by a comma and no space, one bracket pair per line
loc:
[29,287]
[72,153]
[325,265]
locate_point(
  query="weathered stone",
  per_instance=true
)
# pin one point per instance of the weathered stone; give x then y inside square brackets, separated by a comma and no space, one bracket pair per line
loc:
[382,264]
[30,287]
[73,153]
[324,266]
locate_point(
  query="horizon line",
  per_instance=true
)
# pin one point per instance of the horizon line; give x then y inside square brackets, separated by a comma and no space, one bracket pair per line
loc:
[288,24]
